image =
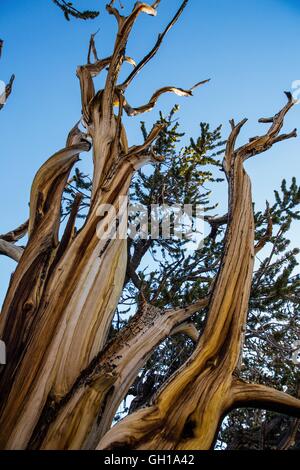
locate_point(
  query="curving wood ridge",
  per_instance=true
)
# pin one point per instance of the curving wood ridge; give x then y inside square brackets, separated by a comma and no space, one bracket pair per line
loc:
[187,413]
[64,381]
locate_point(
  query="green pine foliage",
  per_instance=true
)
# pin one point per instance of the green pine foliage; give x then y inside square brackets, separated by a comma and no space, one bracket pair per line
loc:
[69,11]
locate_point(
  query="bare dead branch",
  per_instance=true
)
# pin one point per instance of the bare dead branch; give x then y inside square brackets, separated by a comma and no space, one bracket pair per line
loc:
[69,230]
[12,251]
[282,137]
[156,47]
[87,87]
[58,165]
[215,223]
[96,68]
[139,149]
[235,131]
[263,143]
[16,234]
[125,25]
[92,49]
[266,398]
[124,356]
[115,12]
[153,100]
[156,3]
[188,329]
[191,309]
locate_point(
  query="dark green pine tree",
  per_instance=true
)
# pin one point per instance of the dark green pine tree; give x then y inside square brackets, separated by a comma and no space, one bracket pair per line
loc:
[69,10]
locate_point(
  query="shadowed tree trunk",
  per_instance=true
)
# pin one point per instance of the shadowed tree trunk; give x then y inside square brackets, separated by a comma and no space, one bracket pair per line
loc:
[63,381]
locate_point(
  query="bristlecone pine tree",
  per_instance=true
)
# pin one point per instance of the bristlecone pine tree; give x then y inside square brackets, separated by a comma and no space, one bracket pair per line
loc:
[66,371]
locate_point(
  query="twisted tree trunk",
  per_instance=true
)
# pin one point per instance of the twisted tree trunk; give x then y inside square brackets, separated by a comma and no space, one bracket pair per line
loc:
[207,387]
[64,381]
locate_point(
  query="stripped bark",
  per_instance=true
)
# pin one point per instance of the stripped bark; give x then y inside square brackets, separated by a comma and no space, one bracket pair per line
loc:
[104,384]
[187,412]
[16,234]
[57,325]
[64,381]
[10,250]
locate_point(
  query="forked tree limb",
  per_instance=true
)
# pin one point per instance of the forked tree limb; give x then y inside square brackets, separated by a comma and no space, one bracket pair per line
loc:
[92,49]
[125,25]
[263,143]
[141,149]
[114,12]
[63,319]
[16,234]
[156,47]
[153,100]
[186,413]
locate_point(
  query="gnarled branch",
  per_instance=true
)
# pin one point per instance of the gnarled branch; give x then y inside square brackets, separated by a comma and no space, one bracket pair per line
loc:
[202,390]
[53,169]
[16,234]
[263,397]
[125,25]
[153,100]
[105,382]
[263,143]
[188,329]
[153,135]
[12,251]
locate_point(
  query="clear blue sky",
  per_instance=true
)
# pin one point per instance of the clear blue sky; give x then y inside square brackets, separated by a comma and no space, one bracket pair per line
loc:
[249,48]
